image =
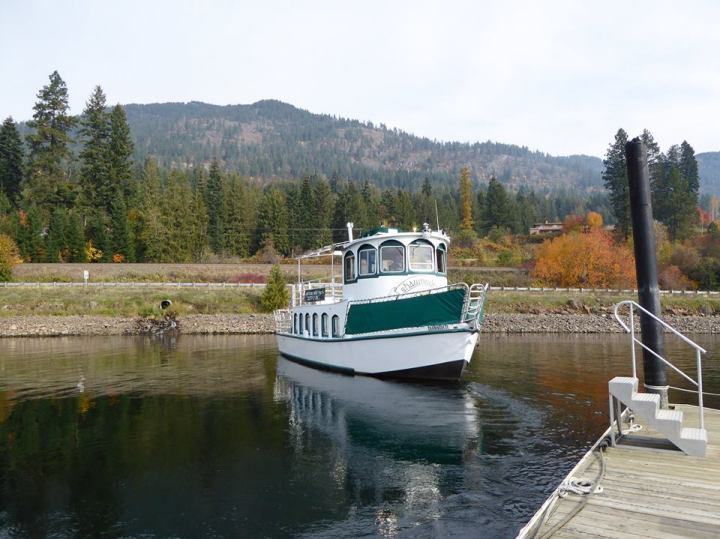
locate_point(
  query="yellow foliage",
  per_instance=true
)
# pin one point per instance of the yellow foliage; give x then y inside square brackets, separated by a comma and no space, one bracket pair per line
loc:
[594,219]
[92,254]
[590,260]
[9,257]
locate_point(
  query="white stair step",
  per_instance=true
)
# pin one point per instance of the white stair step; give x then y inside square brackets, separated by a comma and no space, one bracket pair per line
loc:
[622,387]
[646,397]
[694,434]
[669,415]
[692,441]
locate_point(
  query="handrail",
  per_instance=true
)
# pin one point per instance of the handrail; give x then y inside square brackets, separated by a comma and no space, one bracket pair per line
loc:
[699,350]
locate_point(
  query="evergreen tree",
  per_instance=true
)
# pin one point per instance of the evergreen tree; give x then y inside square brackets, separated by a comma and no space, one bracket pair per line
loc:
[677,191]
[55,240]
[121,150]
[527,209]
[272,221]
[11,160]
[304,219]
[120,229]
[616,182]
[48,143]
[323,213]
[498,212]
[75,238]
[276,295]
[213,202]
[98,190]
[235,217]
[466,200]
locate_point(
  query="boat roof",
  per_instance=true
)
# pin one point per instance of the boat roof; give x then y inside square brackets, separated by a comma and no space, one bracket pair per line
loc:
[381,232]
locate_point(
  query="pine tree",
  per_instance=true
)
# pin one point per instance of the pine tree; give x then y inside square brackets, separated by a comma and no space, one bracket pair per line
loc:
[677,191]
[95,174]
[466,201]
[120,229]
[276,295]
[497,212]
[304,221]
[48,143]
[121,149]
[273,221]
[235,213]
[323,213]
[11,160]
[616,182]
[213,202]
[75,238]
[55,240]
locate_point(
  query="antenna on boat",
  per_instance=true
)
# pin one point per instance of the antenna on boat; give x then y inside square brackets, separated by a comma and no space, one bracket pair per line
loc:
[437,216]
[350,229]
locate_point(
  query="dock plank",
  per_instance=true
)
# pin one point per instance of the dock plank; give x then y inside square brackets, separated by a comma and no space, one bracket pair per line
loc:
[646,491]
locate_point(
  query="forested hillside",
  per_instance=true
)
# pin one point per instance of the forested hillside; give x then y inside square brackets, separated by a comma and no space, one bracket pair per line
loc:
[270,139]
[709,166]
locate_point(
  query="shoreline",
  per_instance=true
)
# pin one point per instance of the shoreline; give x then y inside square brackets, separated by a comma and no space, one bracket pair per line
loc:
[263,324]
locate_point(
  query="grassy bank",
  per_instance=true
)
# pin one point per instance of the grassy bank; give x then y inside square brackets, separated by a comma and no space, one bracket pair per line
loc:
[125,301]
[145,301]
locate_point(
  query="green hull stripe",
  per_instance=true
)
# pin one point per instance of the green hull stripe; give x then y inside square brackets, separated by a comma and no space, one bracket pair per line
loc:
[379,337]
[427,310]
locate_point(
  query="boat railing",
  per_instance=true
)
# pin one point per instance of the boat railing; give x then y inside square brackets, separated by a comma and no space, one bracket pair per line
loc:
[630,328]
[474,308]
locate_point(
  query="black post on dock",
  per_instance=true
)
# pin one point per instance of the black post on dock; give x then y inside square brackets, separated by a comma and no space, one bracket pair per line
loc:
[646,267]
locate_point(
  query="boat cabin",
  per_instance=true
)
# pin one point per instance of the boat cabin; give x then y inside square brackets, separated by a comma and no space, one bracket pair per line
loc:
[387,262]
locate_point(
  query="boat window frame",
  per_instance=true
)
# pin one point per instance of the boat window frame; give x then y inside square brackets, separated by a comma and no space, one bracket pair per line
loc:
[349,255]
[366,248]
[324,324]
[441,248]
[307,324]
[392,243]
[295,323]
[335,326]
[315,331]
[424,243]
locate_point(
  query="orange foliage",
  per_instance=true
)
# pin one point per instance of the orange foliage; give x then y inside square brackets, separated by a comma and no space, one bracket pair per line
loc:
[573,223]
[594,219]
[672,278]
[590,260]
[118,258]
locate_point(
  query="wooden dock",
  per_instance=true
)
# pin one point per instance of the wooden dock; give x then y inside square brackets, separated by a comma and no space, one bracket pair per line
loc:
[648,490]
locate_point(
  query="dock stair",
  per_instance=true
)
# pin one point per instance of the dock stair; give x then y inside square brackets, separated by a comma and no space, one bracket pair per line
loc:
[668,422]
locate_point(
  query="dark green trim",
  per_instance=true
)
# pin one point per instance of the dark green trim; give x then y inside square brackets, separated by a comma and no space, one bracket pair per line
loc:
[379,337]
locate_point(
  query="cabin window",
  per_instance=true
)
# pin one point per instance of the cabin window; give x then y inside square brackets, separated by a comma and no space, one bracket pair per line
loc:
[441,255]
[307,324]
[367,261]
[349,267]
[420,255]
[392,258]
[315,325]
[324,325]
[295,323]
[335,326]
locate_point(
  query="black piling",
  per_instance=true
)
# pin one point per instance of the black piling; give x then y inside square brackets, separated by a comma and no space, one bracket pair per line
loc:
[646,267]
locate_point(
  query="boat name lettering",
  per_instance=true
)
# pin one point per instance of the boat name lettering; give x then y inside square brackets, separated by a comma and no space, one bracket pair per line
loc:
[410,284]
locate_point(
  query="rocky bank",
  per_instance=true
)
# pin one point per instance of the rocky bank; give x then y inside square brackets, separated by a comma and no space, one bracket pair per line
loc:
[46,326]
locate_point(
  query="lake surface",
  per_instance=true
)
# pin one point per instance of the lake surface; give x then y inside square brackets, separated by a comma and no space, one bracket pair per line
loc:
[218,437]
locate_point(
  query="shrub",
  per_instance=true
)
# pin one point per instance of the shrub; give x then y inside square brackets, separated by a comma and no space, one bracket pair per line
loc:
[672,278]
[276,295]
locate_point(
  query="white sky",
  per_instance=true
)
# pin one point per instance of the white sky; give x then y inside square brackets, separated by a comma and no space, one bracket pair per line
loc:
[557,76]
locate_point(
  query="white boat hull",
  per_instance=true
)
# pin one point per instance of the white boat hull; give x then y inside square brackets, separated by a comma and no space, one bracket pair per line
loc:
[428,355]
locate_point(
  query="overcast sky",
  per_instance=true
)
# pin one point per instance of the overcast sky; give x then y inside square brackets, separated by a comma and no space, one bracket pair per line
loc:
[556,76]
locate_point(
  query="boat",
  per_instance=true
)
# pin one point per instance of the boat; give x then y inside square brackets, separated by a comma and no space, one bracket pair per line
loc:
[393,314]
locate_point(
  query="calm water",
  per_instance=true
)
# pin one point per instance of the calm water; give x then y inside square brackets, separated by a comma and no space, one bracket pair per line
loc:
[218,437]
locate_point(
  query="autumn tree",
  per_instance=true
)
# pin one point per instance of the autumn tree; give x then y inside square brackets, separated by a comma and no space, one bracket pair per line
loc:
[590,260]
[276,295]
[9,257]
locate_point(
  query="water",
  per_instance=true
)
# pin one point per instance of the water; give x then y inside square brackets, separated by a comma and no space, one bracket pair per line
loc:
[218,437]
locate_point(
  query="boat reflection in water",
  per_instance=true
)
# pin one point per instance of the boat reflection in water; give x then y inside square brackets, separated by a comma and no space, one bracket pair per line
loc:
[388,439]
